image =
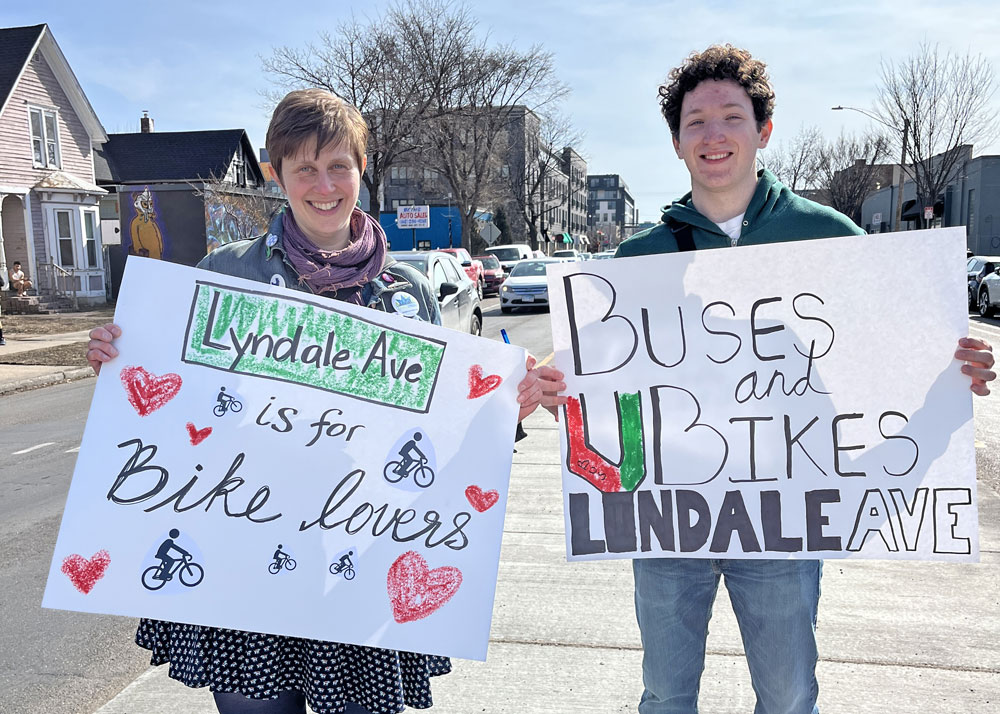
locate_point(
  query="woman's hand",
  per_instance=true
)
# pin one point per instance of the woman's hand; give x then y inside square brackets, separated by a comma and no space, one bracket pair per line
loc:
[978,354]
[100,349]
[542,386]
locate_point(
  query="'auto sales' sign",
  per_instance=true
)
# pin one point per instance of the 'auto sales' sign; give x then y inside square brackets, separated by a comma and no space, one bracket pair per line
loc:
[413,217]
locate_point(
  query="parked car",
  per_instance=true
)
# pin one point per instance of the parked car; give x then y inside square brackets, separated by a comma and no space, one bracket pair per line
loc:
[473,267]
[538,254]
[510,254]
[456,294]
[568,253]
[979,266]
[526,285]
[493,274]
[989,292]
[604,255]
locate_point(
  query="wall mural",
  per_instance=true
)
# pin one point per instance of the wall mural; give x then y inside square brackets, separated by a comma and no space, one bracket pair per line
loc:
[145,234]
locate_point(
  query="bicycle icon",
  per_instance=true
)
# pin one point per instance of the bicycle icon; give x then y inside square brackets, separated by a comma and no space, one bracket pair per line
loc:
[156,576]
[412,462]
[396,471]
[344,566]
[281,560]
[226,403]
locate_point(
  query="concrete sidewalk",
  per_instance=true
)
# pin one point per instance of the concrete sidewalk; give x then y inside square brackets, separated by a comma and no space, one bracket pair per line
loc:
[899,637]
[15,377]
[896,637]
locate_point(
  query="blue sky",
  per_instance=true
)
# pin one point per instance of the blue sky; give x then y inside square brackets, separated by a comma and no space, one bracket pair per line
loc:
[196,64]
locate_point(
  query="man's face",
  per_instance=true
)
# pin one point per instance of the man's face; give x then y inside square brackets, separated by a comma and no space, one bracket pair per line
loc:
[718,137]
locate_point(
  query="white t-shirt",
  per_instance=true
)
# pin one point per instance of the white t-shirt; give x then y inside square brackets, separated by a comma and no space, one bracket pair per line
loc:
[733,227]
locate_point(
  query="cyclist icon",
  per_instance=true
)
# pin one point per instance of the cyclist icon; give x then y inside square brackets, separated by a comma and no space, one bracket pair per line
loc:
[182,564]
[226,403]
[344,566]
[280,559]
[411,461]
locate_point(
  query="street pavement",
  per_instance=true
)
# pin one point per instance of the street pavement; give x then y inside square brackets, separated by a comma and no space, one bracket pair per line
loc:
[894,636]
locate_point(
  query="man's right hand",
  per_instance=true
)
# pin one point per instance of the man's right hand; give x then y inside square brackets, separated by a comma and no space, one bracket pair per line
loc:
[100,349]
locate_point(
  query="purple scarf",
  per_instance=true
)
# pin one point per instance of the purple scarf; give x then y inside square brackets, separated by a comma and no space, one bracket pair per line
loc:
[347,269]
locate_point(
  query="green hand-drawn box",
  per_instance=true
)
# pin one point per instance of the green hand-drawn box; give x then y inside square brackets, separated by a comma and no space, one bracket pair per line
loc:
[292,340]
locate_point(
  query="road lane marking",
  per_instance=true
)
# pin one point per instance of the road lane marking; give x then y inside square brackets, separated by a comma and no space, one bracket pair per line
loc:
[73,450]
[980,445]
[32,448]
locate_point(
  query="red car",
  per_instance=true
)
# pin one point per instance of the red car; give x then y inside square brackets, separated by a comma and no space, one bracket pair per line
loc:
[473,267]
[493,272]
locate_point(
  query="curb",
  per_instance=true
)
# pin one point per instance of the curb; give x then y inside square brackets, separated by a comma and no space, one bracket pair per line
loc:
[45,380]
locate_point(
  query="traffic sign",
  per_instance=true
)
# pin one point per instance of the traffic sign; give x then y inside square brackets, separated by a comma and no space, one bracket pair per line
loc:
[489,233]
[928,212]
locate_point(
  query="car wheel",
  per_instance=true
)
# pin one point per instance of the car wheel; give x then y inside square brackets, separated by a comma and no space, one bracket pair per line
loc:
[985,309]
[505,310]
[972,301]
[477,326]
[479,288]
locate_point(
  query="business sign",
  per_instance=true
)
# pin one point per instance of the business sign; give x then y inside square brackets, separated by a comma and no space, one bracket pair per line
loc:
[262,459]
[753,405]
[413,217]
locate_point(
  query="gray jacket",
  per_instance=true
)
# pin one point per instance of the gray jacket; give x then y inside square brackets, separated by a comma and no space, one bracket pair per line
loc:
[264,259]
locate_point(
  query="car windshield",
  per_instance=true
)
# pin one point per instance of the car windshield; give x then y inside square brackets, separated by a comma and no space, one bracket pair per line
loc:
[418,263]
[528,268]
[564,254]
[506,253]
[489,261]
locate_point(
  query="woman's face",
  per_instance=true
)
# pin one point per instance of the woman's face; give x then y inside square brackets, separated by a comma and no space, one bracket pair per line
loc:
[322,192]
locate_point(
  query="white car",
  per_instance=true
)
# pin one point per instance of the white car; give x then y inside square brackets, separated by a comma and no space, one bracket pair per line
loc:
[526,285]
[989,293]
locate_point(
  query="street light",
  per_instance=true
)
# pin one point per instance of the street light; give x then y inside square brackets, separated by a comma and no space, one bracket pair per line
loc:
[902,160]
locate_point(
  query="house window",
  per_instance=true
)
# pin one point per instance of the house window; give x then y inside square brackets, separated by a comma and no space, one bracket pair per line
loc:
[90,233]
[64,236]
[394,172]
[44,137]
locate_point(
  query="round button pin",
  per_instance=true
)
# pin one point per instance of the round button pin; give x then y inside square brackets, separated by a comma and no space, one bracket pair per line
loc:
[405,304]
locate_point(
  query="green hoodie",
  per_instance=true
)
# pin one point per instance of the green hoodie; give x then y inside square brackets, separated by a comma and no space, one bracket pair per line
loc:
[774,214]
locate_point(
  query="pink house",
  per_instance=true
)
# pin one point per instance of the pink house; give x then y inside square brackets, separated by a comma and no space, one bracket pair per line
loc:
[49,199]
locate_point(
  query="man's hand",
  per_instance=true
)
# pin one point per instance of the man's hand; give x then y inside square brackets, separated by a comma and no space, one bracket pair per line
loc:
[978,356]
[100,349]
[541,386]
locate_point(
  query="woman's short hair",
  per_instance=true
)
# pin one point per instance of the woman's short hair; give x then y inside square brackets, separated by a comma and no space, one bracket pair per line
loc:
[314,114]
[717,62]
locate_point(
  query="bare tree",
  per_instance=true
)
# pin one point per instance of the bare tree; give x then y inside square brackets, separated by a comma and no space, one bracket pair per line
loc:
[466,141]
[940,102]
[392,68]
[526,179]
[849,170]
[795,163]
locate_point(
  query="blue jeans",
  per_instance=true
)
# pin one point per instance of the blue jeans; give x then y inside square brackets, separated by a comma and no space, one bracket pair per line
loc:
[290,702]
[775,603]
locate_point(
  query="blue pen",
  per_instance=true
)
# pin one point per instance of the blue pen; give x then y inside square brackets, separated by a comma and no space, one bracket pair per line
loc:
[503,334]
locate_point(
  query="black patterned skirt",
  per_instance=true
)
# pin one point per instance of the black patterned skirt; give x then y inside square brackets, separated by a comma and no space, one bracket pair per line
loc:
[261,666]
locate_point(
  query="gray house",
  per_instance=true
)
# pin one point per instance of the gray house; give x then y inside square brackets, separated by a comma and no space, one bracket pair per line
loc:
[49,219]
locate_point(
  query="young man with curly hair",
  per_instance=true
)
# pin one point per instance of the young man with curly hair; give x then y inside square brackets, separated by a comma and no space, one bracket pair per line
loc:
[718,106]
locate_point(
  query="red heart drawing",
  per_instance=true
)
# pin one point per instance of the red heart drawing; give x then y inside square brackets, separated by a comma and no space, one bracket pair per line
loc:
[84,573]
[481,500]
[415,591]
[198,435]
[480,385]
[147,392]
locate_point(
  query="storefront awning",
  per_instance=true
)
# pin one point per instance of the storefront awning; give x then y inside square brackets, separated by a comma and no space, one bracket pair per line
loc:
[566,238]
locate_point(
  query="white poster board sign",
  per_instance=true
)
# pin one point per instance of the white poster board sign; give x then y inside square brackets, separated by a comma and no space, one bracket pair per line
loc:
[795,400]
[307,467]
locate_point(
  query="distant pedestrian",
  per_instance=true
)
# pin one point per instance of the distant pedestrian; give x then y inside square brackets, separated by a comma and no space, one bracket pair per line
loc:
[18,281]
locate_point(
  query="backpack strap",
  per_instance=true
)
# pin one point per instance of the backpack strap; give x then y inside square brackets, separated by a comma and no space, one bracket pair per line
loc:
[682,234]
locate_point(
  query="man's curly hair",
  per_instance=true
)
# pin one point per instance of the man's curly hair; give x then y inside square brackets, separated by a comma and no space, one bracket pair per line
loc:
[717,62]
